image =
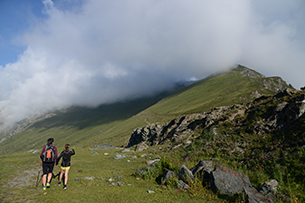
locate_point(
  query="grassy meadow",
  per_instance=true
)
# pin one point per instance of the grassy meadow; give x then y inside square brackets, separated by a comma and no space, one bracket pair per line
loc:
[18,178]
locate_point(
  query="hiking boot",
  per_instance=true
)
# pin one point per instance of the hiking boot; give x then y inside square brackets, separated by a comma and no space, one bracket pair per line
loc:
[59,183]
[65,187]
[48,185]
[44,188]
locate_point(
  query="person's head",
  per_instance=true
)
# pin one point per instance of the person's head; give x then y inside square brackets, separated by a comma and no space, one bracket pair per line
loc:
[67,147]
[50,141]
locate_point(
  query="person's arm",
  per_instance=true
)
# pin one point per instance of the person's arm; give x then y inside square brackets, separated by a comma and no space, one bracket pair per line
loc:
[73,152]
[41,154]
[57,160]
[56,155]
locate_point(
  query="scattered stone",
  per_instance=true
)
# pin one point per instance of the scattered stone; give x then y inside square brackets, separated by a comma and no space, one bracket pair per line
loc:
[253,196]
[269,189]
[141,170]
[141,147]
[167,174]
[183,186]
[144,155]
[103,146]
[150,191]
[106,154]
[33,151]
[94,153]
[119,156]
[118,177]
[76,179]
[36,152]
[202,165]
[89,178]
[135,157]
[126,150]
[152,162]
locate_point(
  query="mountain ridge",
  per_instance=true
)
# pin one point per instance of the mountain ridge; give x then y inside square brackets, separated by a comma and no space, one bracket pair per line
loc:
[239,85]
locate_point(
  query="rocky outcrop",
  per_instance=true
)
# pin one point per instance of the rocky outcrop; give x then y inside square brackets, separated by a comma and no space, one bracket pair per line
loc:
[263,115]
[222,180]
[250,73]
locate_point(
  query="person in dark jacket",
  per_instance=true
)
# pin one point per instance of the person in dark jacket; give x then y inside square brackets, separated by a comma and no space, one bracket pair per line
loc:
[65,164]
[48,158]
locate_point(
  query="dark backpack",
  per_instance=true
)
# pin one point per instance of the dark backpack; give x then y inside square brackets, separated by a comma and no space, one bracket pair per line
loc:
[49,155]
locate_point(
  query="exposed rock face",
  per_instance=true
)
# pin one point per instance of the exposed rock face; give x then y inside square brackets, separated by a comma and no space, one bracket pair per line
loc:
[148,133]
[277,114]
[250,73]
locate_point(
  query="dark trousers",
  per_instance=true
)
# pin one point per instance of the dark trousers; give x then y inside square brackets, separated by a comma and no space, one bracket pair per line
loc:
[47,167]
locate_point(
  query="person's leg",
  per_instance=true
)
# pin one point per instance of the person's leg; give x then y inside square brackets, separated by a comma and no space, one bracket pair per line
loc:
[66,176]
[50,173]
[44,180]
[60,176]
[49,177]
[44,177]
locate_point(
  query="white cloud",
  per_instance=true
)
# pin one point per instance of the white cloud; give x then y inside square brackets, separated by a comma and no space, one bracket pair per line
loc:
[106,51]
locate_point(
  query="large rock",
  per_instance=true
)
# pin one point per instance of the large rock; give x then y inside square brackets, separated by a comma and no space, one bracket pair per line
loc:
[227,181]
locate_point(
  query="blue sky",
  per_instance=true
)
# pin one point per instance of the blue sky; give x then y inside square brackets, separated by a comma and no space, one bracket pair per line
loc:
[16,17]
[54,54]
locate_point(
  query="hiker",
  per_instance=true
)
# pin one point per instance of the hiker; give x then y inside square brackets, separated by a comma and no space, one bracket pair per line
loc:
[48,158]
[65,164]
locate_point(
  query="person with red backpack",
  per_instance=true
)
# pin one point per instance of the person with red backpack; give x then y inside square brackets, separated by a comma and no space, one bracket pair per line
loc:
[48,158]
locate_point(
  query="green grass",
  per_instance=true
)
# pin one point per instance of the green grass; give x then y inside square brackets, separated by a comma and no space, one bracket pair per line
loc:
[98,190]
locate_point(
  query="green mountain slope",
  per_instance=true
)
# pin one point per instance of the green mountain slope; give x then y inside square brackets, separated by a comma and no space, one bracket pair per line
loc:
[114,123]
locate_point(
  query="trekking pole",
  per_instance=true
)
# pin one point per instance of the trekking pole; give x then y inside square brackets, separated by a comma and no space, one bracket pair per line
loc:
[38,177]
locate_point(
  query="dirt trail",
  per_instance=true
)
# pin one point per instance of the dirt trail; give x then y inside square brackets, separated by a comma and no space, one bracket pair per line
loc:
[25,178]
